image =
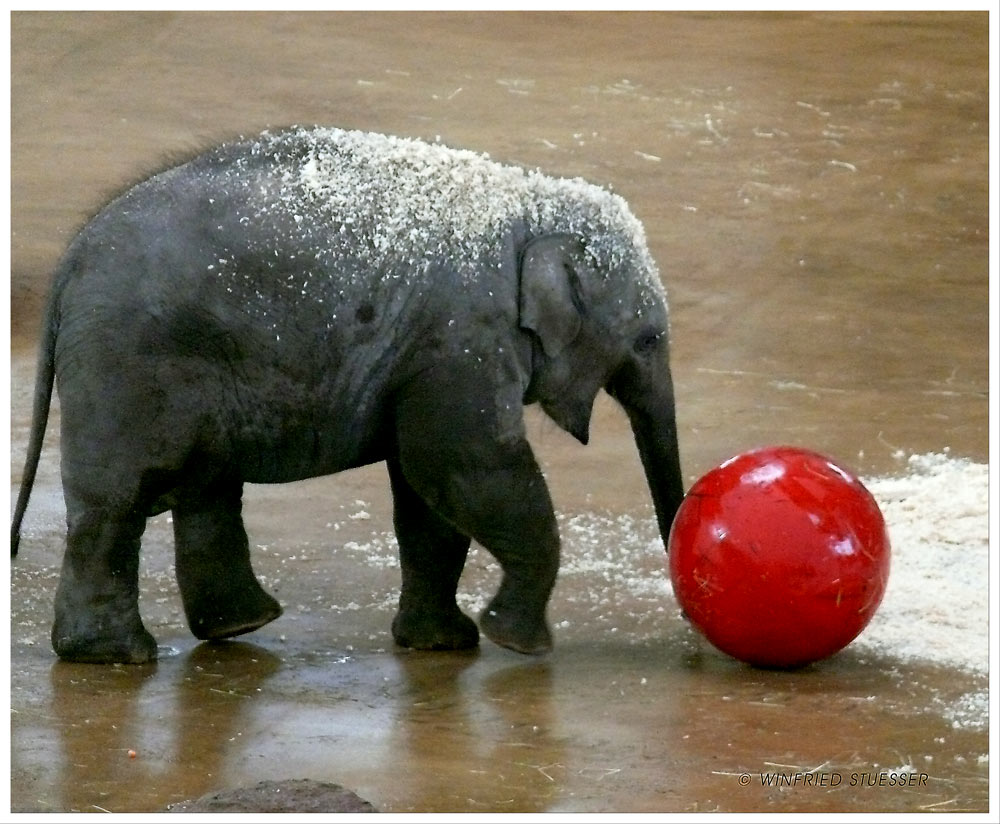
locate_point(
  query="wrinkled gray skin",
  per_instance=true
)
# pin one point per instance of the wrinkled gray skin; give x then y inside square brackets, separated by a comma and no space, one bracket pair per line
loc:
[315,300]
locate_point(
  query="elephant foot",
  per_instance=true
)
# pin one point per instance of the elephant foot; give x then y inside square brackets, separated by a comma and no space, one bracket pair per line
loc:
[213,620]
[516,631]
[419,629]
[94,643]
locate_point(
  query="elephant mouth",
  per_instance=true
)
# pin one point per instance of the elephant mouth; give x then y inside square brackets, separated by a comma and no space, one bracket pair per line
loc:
[571,415]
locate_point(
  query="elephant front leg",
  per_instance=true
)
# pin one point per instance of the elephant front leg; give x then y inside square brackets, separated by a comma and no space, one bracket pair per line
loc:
[220,592]
[431,555]
[97,601]
[512,517]
[485,481]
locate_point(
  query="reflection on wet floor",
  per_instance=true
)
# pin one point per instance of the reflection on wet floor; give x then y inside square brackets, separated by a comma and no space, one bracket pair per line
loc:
[814,189]
[596,726]
[632,711]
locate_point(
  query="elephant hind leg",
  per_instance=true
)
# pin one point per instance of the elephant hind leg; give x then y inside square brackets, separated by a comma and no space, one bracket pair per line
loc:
[431,554]
[97,601]
[221,595]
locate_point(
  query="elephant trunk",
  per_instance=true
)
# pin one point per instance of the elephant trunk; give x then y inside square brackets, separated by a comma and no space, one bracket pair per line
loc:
[658,450]
[651,412]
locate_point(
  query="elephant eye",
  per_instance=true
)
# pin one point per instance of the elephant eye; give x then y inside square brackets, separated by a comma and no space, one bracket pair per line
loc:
[647,342]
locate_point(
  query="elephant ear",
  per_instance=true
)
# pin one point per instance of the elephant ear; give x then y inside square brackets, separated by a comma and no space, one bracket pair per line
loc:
[551,301]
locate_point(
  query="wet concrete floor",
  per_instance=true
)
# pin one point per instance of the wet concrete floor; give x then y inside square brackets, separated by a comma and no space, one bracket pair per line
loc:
[814,188]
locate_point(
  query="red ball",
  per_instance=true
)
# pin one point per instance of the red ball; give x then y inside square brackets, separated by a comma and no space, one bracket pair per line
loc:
[779,557]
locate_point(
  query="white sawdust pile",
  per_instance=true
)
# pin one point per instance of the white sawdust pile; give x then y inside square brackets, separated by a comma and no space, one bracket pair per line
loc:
[936,605]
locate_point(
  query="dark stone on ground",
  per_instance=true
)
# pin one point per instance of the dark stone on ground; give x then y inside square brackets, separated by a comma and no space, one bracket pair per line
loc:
[301,795]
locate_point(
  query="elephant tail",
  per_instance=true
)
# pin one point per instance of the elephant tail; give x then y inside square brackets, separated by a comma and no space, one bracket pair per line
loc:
[44,380]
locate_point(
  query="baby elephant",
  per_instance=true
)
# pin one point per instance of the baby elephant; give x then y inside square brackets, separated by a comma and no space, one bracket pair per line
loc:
[313,300]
